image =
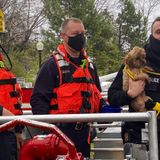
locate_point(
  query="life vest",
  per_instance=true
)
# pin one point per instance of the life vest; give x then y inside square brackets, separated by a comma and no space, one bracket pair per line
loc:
[77,93]
[10,91]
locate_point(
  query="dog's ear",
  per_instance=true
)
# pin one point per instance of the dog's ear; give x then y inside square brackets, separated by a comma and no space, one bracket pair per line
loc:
[125,58]
[128,58]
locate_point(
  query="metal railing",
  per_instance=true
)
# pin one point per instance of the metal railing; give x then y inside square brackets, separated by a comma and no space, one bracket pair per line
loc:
[149,117]
[108,77]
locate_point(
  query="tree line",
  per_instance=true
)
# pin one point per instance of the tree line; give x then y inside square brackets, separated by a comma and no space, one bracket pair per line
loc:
[112,29]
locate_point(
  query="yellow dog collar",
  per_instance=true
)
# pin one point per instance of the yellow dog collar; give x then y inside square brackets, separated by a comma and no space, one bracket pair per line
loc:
[129,73]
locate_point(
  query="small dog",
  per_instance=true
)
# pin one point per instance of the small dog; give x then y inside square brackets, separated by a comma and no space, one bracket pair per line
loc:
[135,62]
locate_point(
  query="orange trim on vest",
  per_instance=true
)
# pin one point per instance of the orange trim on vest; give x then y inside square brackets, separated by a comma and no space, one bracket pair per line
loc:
[70,96]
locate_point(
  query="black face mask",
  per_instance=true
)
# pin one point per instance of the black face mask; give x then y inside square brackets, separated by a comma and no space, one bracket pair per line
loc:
[153,56]
[77,42]
[155,44]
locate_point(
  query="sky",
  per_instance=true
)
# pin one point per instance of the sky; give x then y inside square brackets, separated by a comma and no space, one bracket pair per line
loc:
[114,7]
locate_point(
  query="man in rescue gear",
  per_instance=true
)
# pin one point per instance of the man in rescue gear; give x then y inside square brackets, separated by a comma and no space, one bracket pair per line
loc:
[68,83]
[10,99]
[131,131]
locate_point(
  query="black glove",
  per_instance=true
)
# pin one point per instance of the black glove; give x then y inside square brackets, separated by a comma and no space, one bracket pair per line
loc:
[150,104]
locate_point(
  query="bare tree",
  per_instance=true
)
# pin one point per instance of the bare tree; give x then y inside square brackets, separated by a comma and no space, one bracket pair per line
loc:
[108,5]
[23,18]
[149,8]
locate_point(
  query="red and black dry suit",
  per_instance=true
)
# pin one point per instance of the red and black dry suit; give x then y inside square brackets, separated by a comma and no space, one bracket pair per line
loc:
[117,96]
[63,86]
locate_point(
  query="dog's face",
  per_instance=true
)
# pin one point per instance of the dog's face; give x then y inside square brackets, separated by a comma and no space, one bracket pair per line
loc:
[135,58]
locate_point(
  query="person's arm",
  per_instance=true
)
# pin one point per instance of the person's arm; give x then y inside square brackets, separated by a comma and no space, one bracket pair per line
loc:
[116,95]
[98,85]
[42,92]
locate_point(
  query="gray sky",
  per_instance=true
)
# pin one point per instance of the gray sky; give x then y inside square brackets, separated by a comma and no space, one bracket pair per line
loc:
[143,5]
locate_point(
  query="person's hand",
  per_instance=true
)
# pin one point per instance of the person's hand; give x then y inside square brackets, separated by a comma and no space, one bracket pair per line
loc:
[6,112]
[135,88]
[19,140]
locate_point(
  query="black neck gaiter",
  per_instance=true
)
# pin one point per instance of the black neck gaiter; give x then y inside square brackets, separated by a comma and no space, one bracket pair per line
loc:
[153,54]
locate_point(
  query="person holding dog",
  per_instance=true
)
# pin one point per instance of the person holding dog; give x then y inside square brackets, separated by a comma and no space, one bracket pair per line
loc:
[131,131]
